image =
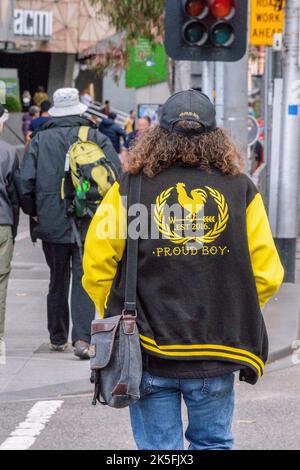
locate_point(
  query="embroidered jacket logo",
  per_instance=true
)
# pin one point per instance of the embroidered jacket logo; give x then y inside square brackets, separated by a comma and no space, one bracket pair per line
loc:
[195,225]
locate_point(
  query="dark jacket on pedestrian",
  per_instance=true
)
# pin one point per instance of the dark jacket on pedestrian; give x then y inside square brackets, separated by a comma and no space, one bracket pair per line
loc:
[130,139]
[42,171]
[26,121]
[114,132]
[9,206]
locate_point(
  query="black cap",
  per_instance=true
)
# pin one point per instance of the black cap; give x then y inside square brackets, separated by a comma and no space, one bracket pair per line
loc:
[189,105]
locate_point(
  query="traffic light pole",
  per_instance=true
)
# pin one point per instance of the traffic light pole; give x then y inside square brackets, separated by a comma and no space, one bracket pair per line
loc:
[219,92]
[288,188]
[208,78]
[236,102]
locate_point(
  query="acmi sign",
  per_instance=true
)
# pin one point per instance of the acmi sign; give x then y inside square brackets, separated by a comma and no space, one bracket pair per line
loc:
[37,24]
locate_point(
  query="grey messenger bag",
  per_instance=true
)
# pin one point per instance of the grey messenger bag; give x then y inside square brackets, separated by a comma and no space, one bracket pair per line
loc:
[115,351]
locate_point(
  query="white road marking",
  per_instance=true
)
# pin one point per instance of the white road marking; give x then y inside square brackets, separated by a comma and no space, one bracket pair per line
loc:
[22,236]
[26,433]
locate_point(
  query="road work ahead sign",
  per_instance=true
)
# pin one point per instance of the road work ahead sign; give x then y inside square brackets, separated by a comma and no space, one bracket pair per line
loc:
[266,19]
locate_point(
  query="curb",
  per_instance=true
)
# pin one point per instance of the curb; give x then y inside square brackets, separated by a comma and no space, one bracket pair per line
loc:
[280,354]
[288,350]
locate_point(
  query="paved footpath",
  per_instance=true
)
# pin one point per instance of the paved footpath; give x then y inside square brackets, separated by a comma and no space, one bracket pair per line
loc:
[45,398]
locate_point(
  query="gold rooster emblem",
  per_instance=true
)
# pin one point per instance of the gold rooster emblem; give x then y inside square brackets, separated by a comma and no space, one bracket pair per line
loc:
[193,203]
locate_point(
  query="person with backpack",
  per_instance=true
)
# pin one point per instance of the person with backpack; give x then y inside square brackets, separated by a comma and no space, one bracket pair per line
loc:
[9,215]
[67,168]
[207,265]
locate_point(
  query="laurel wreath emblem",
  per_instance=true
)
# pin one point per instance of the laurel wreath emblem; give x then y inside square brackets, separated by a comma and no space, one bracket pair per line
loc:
[209,237]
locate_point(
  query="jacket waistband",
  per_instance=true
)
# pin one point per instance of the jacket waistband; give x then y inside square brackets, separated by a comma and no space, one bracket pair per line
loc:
[206,351]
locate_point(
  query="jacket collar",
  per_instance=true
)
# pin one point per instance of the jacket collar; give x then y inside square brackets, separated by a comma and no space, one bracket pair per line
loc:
[66,121]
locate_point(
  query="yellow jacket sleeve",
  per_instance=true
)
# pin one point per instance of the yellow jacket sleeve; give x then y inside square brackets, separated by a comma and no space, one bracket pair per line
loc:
[267,268]
[104,248]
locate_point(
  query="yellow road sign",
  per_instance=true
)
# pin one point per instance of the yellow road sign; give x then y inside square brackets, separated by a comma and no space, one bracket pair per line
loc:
[266,19]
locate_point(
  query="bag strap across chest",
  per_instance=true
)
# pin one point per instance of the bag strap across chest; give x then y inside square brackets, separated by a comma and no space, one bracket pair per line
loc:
[132,249]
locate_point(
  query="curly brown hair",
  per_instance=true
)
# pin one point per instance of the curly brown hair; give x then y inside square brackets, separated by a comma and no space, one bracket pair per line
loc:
[157,149]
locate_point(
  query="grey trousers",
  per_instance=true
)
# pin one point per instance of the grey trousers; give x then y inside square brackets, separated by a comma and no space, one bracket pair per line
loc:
[6,253]
[63,260]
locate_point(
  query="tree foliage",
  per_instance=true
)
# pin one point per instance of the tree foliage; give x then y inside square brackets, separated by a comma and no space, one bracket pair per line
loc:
[136,17]
[133,19]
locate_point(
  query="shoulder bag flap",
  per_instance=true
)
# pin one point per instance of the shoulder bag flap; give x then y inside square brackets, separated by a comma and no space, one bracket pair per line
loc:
[102,342]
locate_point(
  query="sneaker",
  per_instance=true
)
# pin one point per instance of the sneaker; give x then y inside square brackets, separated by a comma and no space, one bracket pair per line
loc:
[58,347]
[81,350]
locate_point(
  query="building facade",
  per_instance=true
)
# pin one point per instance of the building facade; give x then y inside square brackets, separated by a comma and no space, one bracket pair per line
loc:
[41,40]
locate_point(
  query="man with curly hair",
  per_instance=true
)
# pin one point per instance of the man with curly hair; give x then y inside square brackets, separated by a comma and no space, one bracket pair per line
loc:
[202,282]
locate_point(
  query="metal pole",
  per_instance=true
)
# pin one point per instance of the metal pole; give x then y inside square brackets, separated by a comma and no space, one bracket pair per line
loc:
[6,20]
[183,75]
[287,216]
[236,102]
[268,102]
[208,78]
[220,93]
[268,99]
[274,161]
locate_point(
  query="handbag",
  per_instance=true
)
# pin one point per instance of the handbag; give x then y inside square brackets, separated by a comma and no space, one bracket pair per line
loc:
[115,350]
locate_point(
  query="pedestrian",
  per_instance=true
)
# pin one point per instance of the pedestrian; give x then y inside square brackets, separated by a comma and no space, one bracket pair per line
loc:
[40,184]
[9,216]
[26,100]
[129,124]
[95,119]
[86,98]
[106,108]
[112,130]
[33,113]
[203,276]
[42,118]
[40,96]
[143,125]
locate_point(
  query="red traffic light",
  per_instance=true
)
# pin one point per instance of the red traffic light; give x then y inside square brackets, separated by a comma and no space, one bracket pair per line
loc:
[222,8]
[196,8]
[194,33]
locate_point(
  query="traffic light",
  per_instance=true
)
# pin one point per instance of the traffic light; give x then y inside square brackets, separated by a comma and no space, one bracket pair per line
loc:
[212,30]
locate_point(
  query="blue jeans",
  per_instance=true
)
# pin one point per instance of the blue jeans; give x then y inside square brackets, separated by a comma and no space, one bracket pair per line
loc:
[156,418]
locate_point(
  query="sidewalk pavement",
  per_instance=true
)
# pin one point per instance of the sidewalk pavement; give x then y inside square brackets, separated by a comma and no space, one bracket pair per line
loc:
[32,372]
[282,320]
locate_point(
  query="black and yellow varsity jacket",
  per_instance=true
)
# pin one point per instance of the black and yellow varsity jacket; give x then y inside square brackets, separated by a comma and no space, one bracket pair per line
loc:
[203,277]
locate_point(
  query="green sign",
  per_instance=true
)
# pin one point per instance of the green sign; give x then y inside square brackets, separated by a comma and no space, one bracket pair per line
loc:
[2,92]
[147,65]
[11,87]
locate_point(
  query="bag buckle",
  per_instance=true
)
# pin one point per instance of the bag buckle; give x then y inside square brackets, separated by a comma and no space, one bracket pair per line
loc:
[129,313]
